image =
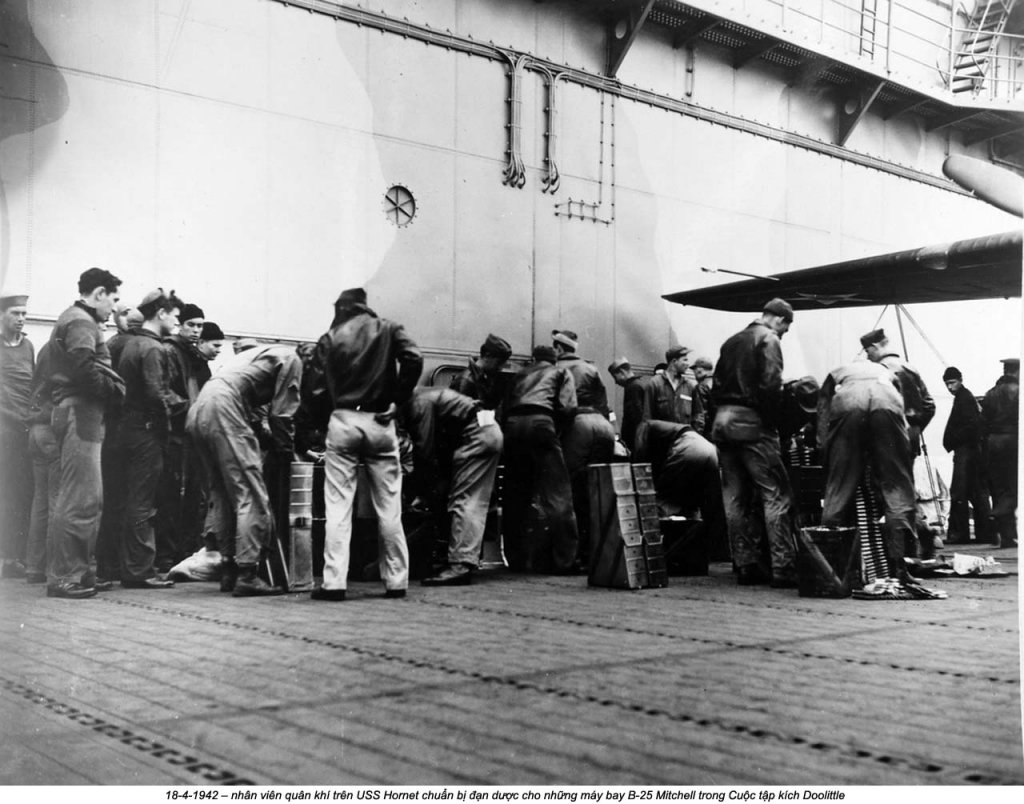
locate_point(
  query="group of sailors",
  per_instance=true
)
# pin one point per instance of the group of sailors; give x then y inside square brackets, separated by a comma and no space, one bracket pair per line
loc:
[140,456]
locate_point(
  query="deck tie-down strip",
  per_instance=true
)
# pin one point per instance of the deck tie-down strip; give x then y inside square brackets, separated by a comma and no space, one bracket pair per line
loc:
[952,775]
[206,771]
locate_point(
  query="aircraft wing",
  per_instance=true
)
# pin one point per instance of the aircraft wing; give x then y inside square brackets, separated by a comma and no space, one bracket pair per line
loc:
[979,268]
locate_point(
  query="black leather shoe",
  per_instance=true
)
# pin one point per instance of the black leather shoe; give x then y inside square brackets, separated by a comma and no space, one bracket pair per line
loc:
[455,575]
[395,593]
[336,595]
[148,583]
[35,577]
[71,591]
[750,575]
[103,586]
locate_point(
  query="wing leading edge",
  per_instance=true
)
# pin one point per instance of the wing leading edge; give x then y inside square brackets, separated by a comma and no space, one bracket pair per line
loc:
[979,268]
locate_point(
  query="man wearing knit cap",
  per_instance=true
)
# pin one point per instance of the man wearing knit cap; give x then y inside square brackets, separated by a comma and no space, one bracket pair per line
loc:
[918,404]
[211,342]
[968,489]
[149,406]
[999,412]
[540,524]
[747,395]
[178,519]
[589,436]
[17,361]
[84,386]
[362,369]
[480,380]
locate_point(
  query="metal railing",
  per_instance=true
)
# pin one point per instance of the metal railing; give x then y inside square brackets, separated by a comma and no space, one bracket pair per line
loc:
[914,41]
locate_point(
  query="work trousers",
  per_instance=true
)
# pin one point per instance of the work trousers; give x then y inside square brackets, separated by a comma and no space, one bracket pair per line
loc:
[180,503]
[1002,478]
[689,480]
[15,489]
[78,428]
[45,452]
[753,476]
[589,439]
[474,468]
[239,505]
[877,438]
[144,452]
[115,469]
[968,491]
[540,525]
[355,436]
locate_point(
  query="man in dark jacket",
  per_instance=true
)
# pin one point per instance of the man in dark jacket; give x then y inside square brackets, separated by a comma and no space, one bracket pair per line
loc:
[999,411]
[589,437]
[480,379]
[747,393]
[220,426]
[632,399]
[918,405]
[540,525]
[149,405]
[968,489]
[84,386]
[360,372]
[456,447]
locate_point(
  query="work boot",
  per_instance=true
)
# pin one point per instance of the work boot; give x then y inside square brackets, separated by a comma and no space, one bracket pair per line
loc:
[455,575]
[249,584]
[228,574]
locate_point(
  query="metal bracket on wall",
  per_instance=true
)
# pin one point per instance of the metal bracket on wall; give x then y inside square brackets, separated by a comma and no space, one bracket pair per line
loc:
[552,178]
[515,169]
[596,210]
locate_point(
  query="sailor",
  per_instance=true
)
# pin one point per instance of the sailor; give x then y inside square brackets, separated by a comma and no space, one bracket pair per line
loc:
[632,399]
[540,524]
[861,424]
[968,489]
[17,362]
[480,379]
[589,437]
[149,405]
[45,453]
[670,396]
[219,424]
[84,385]
[746,392]
[456,448]
[918,405]
[999,411]
[361,371]
[703,373]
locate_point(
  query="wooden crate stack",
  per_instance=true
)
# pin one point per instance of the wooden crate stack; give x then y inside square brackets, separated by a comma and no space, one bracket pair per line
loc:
[625,549]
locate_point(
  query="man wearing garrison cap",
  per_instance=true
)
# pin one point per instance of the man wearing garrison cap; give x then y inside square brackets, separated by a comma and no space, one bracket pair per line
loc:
[589,437]
[360,372]
[918,404]
[480,379]
[968,489]
[17,361]
[180,500]
[540,524]
[747,394]
[999,412]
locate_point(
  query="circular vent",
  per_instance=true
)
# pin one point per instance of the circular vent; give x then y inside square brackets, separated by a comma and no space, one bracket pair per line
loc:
[399,205]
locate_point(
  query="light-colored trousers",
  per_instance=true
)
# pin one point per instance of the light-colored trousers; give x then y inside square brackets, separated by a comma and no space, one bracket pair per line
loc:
[354,436]
[475,466]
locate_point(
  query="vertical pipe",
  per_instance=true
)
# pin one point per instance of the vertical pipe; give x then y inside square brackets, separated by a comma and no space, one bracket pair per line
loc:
[888,38]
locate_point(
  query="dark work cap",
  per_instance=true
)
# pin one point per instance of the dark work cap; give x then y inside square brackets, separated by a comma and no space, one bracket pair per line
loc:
[566,337]
[873,337]
[350,297]
[805,393]
[211,332]
[8,301]
[704,363]
[781,308]
[676,351]
[498,347]
[190,311]
[545,353]
[1011,362]
[952,373]
[618,364]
